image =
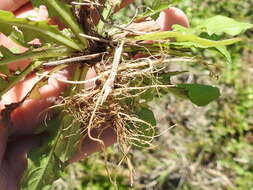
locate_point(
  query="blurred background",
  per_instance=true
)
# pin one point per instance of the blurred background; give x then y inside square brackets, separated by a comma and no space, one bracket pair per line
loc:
[209,148]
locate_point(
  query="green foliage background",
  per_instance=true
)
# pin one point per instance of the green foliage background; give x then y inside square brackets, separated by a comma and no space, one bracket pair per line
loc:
[210,148]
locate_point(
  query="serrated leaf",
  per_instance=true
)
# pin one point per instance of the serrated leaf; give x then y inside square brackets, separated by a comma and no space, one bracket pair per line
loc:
[35,29]
[43,165]
[63,11]
[5,86]
[186,39]
[9,57]
[199,94]
[18,37]
[221,24]
[49,166]
[47,163]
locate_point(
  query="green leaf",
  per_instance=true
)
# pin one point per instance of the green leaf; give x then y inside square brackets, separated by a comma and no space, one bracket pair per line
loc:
[18,37]
[224,52]
[217,25]
[221,24]
[107,11]
[35,29]
[186,39]
[147,115]
[199,94]
[4,70]
[179,92]
[43,165]
[47,163]
[179,28]
[144,131]
[157,7]
[164,78]
[5,86]
[71,136]
[49,166]
[9,57]
[63,11]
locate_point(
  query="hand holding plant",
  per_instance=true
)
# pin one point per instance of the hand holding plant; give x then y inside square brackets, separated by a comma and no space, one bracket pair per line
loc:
[18,138]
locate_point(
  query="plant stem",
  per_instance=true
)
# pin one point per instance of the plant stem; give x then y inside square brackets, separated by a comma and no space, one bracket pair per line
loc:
[73,59]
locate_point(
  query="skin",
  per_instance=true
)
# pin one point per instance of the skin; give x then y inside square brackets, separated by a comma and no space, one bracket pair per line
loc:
[16,142]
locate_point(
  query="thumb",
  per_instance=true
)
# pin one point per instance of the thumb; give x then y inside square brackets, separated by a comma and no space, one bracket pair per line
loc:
[171,16]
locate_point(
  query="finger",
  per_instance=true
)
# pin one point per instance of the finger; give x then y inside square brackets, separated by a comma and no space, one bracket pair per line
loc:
[12,5]
[171,16]
[16,154]
[90,74]
[88,146]
[3,141]
[37,108]
[33,111]
[31,108]
[166,20]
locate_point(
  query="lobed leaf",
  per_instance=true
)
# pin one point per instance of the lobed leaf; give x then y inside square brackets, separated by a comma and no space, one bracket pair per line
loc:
[34,29]
[44,167]
[5,85]
[46,164]
[9,57]
[62,11]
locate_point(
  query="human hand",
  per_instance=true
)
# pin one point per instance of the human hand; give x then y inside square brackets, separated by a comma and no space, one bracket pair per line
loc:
[19,139]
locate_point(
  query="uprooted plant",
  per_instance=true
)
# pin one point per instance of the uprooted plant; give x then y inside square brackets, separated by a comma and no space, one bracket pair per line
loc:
[124,84]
